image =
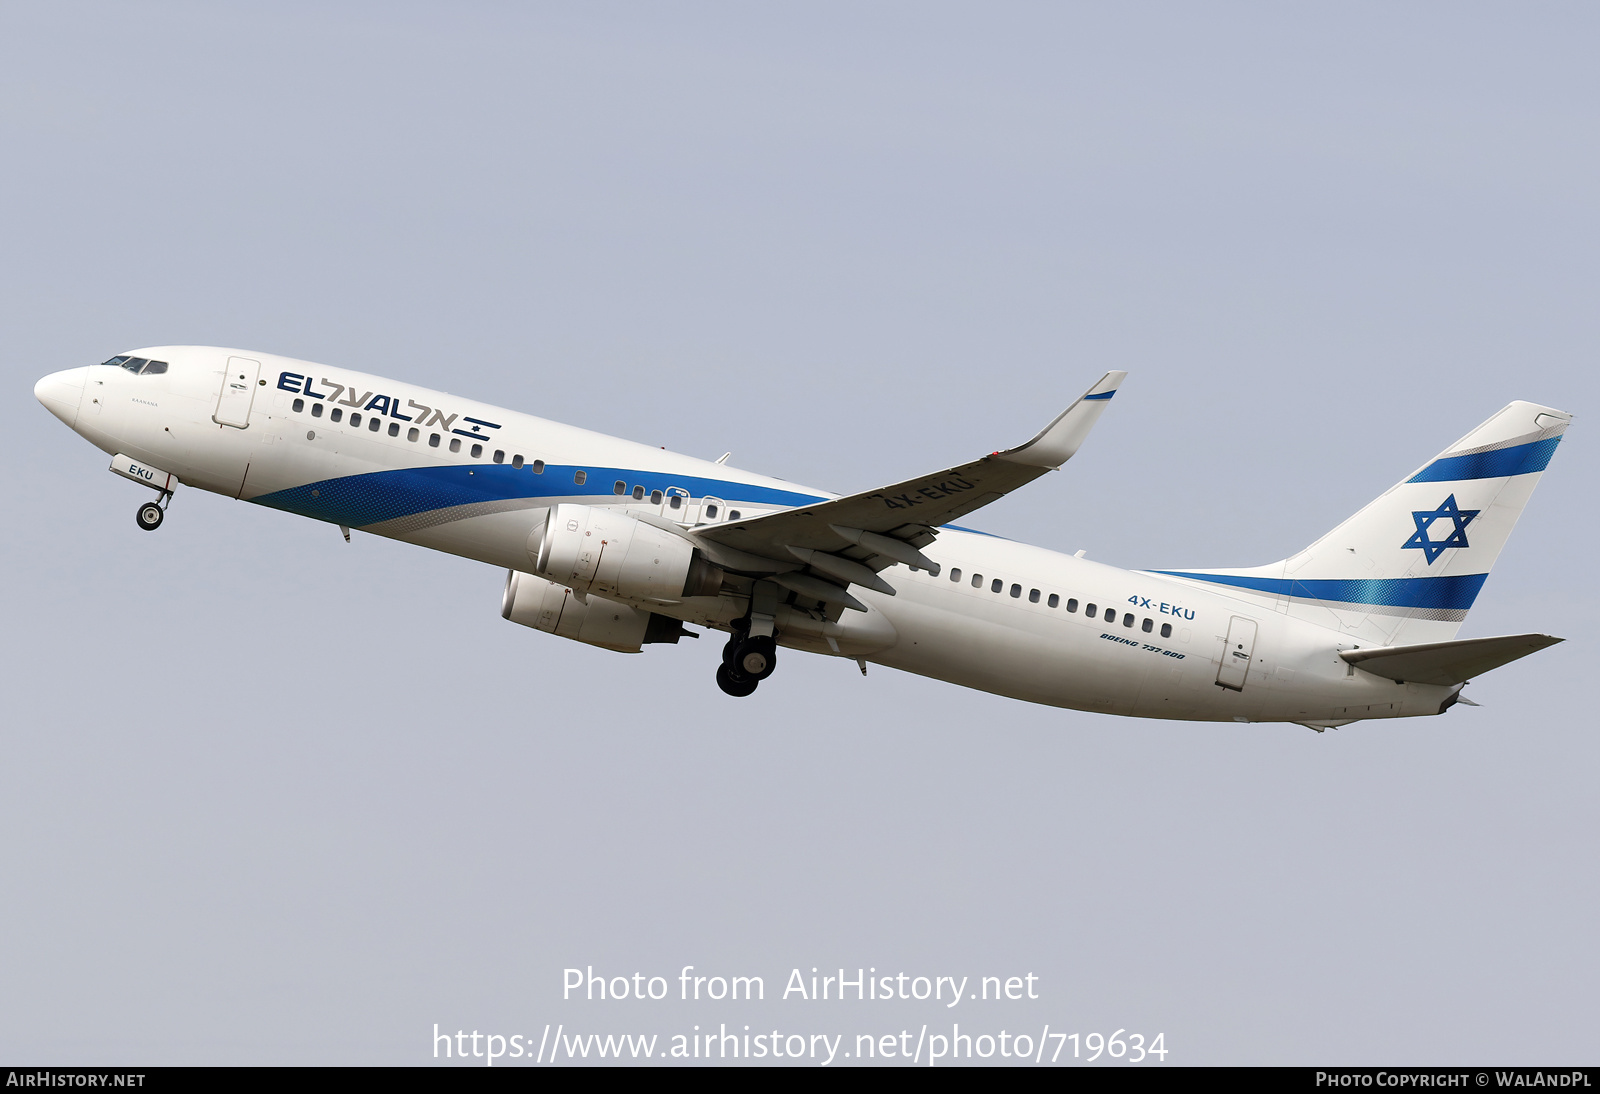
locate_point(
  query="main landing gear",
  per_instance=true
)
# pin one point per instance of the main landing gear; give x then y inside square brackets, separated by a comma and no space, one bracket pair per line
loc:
[151,513]
[746,661]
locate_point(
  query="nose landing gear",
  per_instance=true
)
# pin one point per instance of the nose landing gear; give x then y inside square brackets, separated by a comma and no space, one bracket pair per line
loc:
[151,513]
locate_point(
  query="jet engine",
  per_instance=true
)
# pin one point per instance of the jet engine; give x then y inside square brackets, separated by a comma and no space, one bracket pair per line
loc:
[605,551]
[543,605]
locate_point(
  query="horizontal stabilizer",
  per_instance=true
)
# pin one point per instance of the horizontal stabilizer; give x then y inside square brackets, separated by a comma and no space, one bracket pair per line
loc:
[1447,662]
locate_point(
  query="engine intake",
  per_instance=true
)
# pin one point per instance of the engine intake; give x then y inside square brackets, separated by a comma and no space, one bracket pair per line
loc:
[604,551]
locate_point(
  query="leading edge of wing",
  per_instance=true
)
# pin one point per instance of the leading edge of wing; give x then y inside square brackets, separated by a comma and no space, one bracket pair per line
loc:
[926,502]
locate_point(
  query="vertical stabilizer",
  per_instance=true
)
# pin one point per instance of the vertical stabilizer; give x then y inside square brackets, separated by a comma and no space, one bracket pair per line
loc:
[1406,568]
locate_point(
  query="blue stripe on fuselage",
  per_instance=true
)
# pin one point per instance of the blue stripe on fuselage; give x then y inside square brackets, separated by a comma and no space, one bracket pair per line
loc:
[1453,593]
[1521,459]
[362,500]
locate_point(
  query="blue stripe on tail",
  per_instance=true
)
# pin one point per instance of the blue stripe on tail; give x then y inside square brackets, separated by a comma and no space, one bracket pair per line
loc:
[1523,459]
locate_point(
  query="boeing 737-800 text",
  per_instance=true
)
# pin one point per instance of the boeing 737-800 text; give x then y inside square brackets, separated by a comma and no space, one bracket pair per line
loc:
[618,545]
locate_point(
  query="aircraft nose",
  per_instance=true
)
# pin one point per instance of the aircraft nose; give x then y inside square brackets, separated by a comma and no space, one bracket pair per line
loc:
[61,393]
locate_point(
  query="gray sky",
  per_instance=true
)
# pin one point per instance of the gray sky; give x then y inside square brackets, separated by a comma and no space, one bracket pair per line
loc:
[272,798]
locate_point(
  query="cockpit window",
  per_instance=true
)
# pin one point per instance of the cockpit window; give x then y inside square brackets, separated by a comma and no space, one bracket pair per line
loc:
[137,365]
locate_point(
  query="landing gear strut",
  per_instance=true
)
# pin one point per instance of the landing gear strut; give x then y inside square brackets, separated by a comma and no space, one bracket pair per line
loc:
[752,650]
[151,513]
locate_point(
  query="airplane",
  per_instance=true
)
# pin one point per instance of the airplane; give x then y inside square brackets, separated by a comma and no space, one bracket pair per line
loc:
[619,545]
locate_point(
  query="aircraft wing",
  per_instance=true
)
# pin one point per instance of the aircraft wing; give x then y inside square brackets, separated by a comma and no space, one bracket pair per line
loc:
[847,540]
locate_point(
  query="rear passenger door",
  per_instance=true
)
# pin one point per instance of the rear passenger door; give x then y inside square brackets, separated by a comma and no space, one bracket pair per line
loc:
[1236,653]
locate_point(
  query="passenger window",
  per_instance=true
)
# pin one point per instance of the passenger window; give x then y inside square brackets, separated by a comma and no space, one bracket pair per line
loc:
[935,570]
[977,581]
[316,410]
[413,433]
[733,514]
[299,405]
[675,502]
[619,488]
[1054,601]
[1016,593]
[955,574]
[638,493]
[336,415]
[499,455]
[455,444]
[355,421]
[538,467]
[1149,624]
[1089,611]
[394,429]
[516,461]
[1127,619]
[996,585]
[374,424]
[711,512]
[1166,630]
[433,440]
[477,451]
[655,497]
[580,477]
[1072,606]
[1033,596]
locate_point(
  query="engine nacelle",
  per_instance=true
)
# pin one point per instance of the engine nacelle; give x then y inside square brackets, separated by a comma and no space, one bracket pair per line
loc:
[592,549]
[543,605]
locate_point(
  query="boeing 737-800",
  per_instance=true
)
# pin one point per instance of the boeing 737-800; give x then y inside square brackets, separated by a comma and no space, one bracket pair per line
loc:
[618,545]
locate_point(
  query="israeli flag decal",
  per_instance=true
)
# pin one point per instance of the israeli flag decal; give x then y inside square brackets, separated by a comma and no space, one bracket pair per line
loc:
[1431,548]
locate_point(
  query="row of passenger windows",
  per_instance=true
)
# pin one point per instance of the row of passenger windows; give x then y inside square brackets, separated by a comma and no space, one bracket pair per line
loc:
[1090,611]
[139,366]
[674,500]
[413,434]
[375,423]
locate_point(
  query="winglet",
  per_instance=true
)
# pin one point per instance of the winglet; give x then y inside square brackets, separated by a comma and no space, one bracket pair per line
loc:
[1057,442]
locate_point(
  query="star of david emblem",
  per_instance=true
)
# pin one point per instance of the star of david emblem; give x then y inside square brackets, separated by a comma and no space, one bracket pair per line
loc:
[1432,548]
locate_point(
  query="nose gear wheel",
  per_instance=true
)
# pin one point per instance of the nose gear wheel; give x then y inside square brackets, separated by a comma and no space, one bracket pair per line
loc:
[151,513]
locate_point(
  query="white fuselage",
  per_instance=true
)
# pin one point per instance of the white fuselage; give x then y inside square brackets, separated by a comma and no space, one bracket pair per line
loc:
[1034,639]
